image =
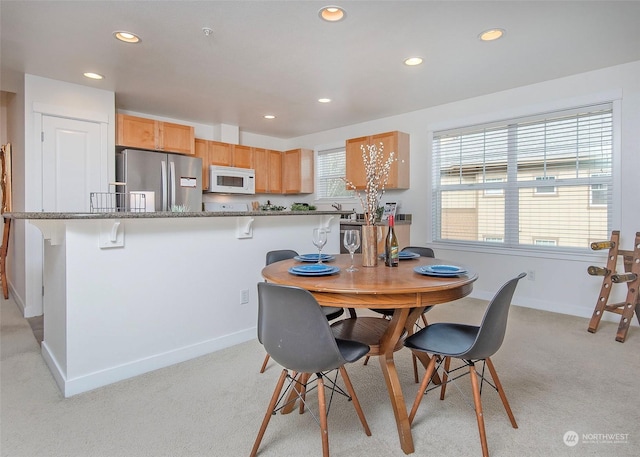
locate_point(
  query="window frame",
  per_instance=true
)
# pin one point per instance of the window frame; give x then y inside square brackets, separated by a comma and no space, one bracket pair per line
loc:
[612,98]
[327,149]
[592,190]
[552,192]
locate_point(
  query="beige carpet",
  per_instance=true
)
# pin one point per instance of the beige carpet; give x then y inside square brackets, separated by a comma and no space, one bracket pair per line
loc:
[557,376]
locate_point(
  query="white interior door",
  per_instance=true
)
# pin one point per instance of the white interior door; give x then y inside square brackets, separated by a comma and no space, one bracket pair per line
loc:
[71,165]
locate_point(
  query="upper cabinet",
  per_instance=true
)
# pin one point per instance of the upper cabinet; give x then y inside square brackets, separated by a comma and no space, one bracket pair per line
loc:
[276,172]
[202,151]
[176,138]
[297,171]
[242,156]
[138,132]
[219,153]
[397,142]
[268,166]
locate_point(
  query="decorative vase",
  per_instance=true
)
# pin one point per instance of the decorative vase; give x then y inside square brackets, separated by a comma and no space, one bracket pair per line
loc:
[369,245]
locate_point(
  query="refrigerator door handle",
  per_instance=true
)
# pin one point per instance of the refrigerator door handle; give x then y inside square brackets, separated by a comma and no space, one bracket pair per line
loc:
[172,180]
[163,177]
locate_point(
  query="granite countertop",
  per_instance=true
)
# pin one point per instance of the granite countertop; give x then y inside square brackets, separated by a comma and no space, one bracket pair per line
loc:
[164,214]
[401,219]
[362,222]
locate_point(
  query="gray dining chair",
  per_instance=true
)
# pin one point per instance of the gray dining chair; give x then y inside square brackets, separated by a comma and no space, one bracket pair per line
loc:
[295,331]
[422,251]
[470,344]
[332,312]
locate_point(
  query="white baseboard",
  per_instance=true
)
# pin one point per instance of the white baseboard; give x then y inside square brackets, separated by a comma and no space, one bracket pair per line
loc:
[561,308]
[27,311]
[70,387]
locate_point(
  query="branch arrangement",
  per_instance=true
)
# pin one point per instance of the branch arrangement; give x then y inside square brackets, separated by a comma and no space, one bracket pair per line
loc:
[377,174]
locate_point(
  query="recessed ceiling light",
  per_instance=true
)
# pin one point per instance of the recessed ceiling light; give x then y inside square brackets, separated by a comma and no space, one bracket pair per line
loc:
[491,34]
[127,37]
[91,75]
[269,116]
[324,100]
[412,61]
[332,13]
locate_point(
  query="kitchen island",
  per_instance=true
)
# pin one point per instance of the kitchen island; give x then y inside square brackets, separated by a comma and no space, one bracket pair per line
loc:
[127,293]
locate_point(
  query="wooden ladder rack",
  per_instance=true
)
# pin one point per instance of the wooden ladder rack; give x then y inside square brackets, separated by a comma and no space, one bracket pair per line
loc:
[631,277]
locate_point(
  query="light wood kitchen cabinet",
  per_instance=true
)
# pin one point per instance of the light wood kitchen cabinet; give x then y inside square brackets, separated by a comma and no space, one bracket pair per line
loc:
[395,141]
[176,138]
[138,132]
[242,156]
[202,151]
[297,171]
[220,153]
[268,167]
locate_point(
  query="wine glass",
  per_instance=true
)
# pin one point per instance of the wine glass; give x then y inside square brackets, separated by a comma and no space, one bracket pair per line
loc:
[352,243]
[319,240]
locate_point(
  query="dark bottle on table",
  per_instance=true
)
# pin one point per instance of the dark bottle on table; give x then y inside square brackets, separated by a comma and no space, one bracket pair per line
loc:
[391,246]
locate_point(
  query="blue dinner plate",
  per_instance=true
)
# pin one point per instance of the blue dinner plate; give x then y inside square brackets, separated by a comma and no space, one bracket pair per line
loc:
[313,257]
[404,255]
[444,271]
[313,270]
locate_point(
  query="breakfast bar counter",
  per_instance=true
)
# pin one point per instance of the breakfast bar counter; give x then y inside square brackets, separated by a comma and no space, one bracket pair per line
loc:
[128,293]
[163,214]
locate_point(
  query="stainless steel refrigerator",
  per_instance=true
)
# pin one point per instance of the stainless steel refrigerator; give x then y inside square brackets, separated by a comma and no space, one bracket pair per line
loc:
[173,181]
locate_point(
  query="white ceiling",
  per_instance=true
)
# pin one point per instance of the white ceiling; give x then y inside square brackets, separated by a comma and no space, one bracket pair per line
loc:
[278,57]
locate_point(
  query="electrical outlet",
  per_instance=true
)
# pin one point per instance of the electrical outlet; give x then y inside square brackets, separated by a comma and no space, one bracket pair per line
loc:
[531,275]
[244,296]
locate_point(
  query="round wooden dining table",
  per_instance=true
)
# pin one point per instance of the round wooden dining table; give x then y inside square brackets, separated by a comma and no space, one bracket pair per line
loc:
[400,288]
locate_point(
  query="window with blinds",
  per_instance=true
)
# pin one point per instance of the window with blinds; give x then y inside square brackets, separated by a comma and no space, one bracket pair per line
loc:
[330,172]
[538,182]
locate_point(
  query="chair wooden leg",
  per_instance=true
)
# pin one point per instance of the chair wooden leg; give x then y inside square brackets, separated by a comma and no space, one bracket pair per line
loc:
[354,399]
[478,406]
[443,386]
[264,364]
[322,412]
[366,359]
[304,378]
[424,320]
[267,416]
[423,386]
[414,359]
[503,396]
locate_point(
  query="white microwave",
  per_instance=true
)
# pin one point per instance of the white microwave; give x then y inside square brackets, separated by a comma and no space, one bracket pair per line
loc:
[231,180]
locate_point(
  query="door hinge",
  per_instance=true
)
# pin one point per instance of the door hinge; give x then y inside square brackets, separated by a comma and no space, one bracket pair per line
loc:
[43,291]
[42,137]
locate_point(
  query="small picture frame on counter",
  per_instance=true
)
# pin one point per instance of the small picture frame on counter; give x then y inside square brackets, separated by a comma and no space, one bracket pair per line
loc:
[389,209]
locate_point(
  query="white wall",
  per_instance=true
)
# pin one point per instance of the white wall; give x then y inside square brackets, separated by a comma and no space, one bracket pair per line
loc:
[561,284]
[16,274]
[66,100]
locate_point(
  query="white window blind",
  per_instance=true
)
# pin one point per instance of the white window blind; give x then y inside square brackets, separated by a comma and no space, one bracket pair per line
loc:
[330,173]
[521,181]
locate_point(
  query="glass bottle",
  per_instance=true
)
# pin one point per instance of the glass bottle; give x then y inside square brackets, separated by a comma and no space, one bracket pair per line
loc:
[626,277]
[391,246]
[598,245]
[598,271]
